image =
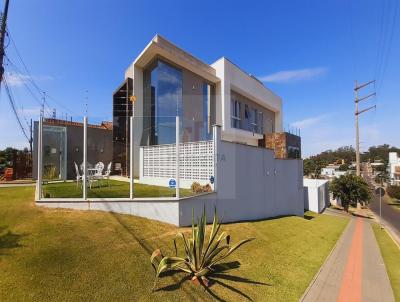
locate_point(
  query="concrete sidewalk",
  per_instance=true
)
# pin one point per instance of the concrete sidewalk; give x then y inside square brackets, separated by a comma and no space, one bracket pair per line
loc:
[354,271]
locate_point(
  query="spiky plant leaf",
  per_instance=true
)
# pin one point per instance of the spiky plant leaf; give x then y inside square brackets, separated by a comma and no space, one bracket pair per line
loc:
[168,263]
[153,259]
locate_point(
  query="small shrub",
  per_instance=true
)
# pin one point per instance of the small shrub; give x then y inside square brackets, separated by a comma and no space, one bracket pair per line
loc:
[199,255]
[207,188]
[394,191]
[196,187]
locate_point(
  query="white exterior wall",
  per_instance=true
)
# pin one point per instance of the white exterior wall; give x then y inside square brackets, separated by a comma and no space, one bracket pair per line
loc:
[233,78]
[316,194]
[252,185]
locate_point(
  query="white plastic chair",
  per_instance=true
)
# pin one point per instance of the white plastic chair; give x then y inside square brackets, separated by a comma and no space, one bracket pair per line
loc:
[98,174]
[107,173]
[78,176]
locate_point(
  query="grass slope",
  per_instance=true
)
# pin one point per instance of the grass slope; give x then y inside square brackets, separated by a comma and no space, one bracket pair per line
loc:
[391,257]
[65,255]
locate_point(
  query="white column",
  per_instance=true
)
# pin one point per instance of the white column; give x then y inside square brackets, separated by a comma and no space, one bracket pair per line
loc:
[39,159]
[131,182]
[84,180]
[177,157]
[216,144]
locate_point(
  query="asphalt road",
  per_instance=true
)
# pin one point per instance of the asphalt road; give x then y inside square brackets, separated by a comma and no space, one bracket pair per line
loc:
[389,214]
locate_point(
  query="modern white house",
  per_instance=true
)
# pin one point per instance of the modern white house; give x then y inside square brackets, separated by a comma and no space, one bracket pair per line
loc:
[394,168]
[179,120]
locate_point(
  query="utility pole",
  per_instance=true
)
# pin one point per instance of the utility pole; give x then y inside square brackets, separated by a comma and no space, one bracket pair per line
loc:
[357,113]
[3,30]
[43,102]
[31,137]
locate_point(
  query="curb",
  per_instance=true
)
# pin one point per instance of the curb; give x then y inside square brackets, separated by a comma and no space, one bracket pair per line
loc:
[389,232]
[387,227]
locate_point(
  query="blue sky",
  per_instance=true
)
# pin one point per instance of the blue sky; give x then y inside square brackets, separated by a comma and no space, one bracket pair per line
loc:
[308,52]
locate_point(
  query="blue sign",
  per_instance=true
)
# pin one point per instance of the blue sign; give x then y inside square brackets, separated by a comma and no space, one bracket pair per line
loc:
[212,179]
[172,183]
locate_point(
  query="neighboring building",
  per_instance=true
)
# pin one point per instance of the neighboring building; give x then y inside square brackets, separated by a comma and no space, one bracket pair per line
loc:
[394,168]
[332,171]
[63,145]
[316,194]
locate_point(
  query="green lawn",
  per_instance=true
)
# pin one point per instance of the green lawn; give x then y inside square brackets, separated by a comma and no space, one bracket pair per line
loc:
[392,202]
[115,189]
[67,255]
[391,256]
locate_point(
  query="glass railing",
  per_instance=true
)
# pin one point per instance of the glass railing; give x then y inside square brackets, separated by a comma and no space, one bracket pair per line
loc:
[59,179]
[137,160]
[196,157]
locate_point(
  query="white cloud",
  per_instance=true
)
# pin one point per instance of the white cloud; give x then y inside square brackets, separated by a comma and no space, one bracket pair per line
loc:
[19,79]
[287,76]
[30,111]
[305,123]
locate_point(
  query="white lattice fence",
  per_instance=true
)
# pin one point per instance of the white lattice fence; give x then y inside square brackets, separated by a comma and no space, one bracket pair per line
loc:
[196,163]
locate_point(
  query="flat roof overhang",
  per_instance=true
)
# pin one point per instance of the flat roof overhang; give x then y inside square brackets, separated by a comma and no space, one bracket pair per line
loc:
[160,47]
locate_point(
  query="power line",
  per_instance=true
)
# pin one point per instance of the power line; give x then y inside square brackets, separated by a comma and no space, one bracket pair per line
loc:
[389,47]
[387,31]
[12,103]
[31,79]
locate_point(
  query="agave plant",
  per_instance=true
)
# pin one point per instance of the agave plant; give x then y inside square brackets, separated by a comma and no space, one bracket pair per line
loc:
[200,255]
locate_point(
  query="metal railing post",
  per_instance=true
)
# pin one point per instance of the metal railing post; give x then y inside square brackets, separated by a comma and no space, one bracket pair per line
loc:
[131,180]
[39,159]
[177,156]
[84,178]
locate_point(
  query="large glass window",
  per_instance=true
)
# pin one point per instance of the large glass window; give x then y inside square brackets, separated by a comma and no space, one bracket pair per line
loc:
[260,128]
[253,120]
[170,91]
[206,127]
[235,113]
[249,116]
[167,82]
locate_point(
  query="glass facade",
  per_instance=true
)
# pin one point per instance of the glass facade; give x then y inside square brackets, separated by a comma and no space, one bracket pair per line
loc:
[165,101]
[122,111]
[169,92]
[54,153]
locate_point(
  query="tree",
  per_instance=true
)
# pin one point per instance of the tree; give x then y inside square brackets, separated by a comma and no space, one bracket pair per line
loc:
[350,189]
[394,191]
[313,167]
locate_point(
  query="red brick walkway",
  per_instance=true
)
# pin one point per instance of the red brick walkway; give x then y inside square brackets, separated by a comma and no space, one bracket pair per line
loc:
[354,271]
[350,289]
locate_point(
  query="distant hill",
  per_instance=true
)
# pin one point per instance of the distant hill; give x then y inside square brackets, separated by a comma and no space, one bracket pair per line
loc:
[314,164]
